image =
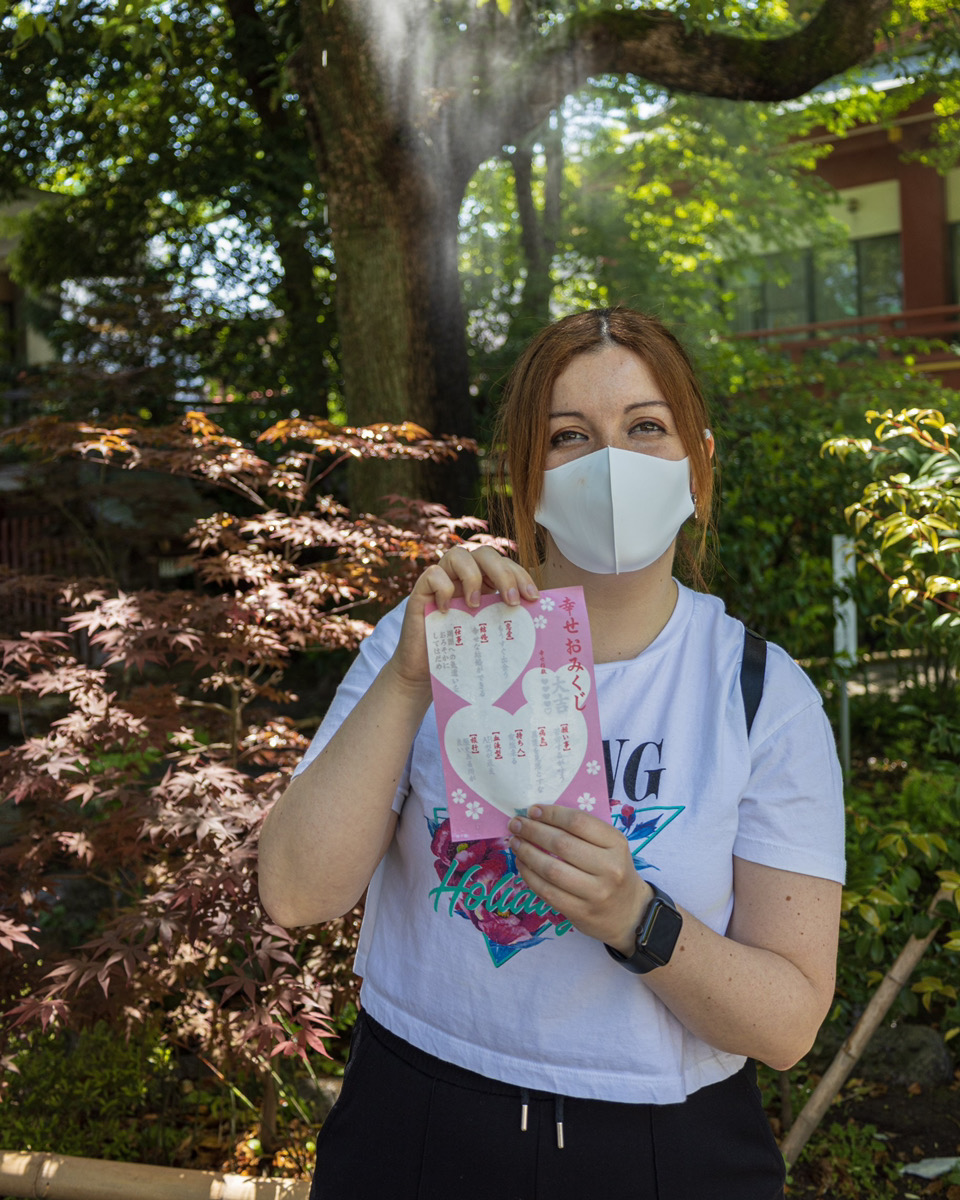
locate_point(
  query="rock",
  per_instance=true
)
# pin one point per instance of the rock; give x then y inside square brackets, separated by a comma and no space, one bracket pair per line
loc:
[898,1053]
[906,1054]
[931,1168]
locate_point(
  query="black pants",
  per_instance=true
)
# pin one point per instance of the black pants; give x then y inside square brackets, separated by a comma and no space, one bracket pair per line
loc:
[409,1126]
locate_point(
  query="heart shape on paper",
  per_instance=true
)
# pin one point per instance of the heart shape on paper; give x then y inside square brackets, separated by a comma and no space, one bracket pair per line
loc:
[479,655]
[528,757]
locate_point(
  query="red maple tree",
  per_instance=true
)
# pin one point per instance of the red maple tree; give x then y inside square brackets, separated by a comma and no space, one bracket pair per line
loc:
[170,738]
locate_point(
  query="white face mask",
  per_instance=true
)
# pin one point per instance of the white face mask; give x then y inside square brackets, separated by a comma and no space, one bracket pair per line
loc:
[614,511]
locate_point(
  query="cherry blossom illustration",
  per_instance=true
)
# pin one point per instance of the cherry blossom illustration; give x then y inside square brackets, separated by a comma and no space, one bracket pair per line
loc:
[586,802]
[474,810]
[458,796]
[540,622]
[593,767]
[547,603]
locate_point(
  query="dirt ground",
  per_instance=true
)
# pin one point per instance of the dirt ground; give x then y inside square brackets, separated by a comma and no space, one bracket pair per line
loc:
[912,1124]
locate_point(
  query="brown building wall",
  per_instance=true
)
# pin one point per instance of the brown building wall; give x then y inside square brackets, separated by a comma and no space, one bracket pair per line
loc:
[872,155]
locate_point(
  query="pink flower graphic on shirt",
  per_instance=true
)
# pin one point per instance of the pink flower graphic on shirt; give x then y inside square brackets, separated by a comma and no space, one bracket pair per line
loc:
[479,881]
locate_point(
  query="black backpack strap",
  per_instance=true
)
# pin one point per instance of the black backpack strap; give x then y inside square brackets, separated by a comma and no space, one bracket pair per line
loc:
[751,673]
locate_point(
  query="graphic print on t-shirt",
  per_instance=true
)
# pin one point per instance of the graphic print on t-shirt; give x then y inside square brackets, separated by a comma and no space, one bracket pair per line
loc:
[479,880]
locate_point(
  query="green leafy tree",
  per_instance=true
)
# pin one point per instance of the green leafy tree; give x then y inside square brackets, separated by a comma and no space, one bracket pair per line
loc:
[609,207]
[183,202]
[403,102]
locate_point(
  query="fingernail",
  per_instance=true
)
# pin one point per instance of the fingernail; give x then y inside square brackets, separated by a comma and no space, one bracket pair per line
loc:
[531,591]
[536,812]
[474,600]
[512,596]
[515,826]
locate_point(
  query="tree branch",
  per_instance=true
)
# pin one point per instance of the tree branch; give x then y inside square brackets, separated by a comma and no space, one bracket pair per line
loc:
[659,47]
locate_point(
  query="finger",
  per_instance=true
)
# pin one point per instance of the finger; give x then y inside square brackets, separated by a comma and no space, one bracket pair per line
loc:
[580,867]
[486,570]
[557,828]
[604,905]
[436,584]
[504,575]
[550,877]
[465,573]
[557,898]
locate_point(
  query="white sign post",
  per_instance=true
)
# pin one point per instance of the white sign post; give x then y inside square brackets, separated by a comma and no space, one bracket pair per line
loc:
[844,635]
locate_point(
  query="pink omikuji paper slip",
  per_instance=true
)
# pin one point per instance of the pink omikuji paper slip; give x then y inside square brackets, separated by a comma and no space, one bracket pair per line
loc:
[516,706]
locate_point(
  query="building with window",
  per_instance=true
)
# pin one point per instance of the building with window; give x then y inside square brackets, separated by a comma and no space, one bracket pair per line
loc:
[898,273]
[21,345]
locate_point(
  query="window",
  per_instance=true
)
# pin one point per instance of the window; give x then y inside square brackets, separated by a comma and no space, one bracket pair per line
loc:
[803,287]
[8,320]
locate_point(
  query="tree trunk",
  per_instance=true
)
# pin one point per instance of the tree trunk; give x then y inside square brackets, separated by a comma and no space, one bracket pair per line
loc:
[539,231]
[255,51]
[394,203]
[404,101]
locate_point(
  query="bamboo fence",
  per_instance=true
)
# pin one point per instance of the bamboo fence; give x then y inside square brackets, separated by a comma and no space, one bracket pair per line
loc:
[61,1177]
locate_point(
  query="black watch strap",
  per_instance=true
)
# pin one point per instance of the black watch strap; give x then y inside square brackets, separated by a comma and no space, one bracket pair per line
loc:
[657,936]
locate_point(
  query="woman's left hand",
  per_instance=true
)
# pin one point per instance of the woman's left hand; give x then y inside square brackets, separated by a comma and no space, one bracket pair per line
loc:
[582,867]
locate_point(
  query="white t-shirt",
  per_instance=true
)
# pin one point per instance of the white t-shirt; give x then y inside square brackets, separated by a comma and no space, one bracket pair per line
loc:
[461,959]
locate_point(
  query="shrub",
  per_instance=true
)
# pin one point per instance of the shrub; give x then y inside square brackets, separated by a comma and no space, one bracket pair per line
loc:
[907,523]
[172,739]
[781,499]
[92,1094]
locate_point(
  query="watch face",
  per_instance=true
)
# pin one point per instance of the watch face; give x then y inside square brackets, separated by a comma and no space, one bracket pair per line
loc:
[660,932]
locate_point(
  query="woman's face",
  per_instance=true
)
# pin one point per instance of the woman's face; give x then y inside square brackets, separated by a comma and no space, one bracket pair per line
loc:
[608,397]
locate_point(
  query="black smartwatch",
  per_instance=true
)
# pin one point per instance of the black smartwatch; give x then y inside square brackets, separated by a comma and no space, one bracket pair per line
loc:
[657,935]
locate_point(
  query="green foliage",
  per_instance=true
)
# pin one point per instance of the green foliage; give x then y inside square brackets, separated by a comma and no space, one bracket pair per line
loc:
[774,544]
[907,521]
[904,725]
[174,172]
[895,866]
[645,201]
[93,1094]
[851,1162]
[779,503]
[930,798]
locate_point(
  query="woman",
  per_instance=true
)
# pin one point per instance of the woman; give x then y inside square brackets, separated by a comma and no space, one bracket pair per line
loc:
[602,1049]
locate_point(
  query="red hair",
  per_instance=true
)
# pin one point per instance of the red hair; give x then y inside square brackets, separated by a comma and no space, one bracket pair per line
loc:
[521,436]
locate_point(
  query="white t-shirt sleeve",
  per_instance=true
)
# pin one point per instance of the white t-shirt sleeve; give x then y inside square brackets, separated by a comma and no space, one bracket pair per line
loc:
[792,813]
[373,654]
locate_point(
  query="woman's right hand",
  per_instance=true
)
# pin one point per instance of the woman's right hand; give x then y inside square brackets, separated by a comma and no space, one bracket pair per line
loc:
[467,572]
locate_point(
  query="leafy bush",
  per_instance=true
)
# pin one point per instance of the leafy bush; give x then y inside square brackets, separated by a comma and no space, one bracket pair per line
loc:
[171,740]
[907,522]
[781,500]
[903,845]
[94,1094]
[894,871]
